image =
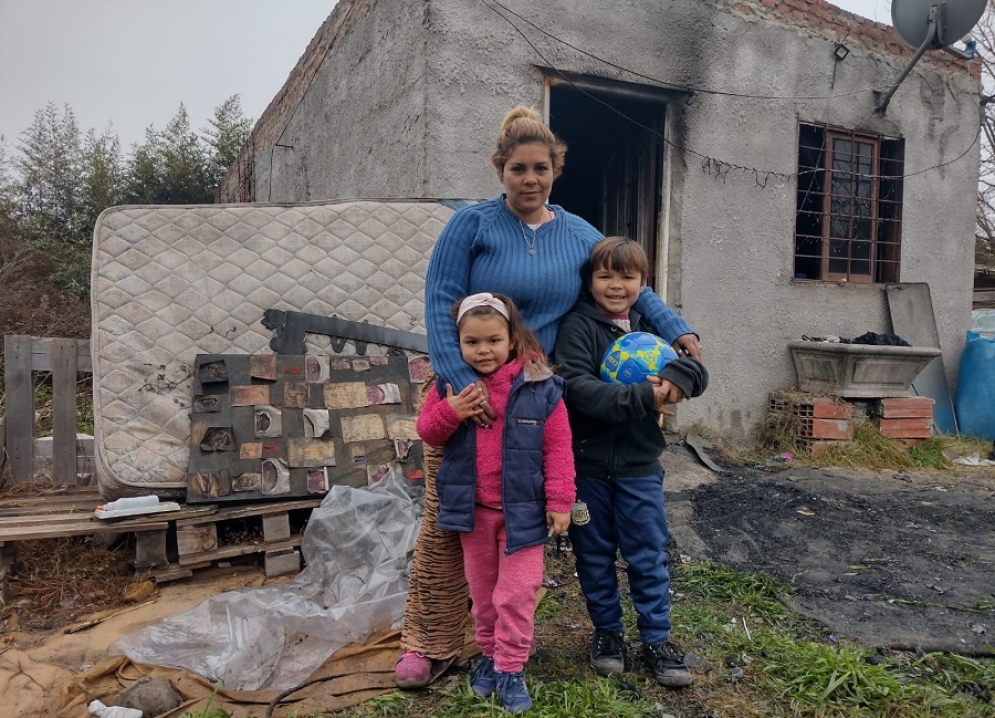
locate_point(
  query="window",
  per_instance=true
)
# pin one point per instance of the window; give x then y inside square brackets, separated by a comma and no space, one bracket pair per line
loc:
[849,222]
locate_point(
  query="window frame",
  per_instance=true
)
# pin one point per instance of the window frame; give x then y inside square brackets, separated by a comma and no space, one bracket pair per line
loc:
[821,209]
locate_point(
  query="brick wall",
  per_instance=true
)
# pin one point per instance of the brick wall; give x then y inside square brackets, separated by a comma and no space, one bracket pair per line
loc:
[823,19]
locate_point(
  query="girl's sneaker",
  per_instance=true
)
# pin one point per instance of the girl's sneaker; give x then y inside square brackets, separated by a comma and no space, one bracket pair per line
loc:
[483,682]
[513,692]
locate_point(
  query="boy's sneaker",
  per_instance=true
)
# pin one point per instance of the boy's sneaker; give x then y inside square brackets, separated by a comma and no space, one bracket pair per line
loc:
[513,692]
[608,653]
[667,663]
[483,682]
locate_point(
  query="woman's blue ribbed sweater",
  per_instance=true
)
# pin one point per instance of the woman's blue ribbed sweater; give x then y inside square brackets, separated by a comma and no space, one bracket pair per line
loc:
[483,249]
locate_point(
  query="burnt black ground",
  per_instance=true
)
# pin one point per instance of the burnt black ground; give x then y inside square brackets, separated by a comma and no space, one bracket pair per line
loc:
[886,559]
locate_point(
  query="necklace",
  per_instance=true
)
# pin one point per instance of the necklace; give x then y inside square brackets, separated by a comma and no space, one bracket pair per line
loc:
[530,247]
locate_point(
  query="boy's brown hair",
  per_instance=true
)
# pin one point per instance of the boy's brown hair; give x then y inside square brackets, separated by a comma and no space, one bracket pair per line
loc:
[617,254]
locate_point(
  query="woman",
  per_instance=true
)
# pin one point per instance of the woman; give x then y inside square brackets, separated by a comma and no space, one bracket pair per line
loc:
[519,245]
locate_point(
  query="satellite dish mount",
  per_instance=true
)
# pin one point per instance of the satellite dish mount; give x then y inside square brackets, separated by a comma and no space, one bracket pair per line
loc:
[932,25]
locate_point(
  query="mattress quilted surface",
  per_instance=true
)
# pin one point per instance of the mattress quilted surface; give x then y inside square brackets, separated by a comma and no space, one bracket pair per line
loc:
[170,283]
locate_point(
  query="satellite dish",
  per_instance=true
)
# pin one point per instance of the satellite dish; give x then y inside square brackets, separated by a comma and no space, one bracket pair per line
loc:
[911,19]
[932,25]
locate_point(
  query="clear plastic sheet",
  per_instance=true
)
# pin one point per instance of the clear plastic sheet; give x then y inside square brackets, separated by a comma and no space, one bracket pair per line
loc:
[357,546]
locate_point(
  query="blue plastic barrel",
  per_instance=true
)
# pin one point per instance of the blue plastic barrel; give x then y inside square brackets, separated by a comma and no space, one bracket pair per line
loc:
[975,400]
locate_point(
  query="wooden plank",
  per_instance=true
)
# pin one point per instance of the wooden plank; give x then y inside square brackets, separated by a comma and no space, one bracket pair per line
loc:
[8,554]
[64,410]
[10,522]
[82,528]
[227,514]
[240,550]
[40,505]
[276,527]
[20,400]
[150,549]
[171,572]
[191,512]
[41,355]
[196,539]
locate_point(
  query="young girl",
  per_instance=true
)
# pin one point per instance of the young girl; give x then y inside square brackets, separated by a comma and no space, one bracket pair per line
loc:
[506,486]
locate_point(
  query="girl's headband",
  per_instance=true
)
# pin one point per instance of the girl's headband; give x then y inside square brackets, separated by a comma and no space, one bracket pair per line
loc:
[483,299]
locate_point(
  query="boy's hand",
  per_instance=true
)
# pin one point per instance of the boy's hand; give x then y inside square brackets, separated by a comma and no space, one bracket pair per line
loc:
[466,404]
[665,393]
[558,522]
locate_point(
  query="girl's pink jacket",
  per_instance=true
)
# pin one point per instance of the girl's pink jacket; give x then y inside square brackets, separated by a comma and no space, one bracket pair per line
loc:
[437,422]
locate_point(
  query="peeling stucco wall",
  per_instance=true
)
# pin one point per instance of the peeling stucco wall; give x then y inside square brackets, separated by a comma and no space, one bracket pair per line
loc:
[405,98]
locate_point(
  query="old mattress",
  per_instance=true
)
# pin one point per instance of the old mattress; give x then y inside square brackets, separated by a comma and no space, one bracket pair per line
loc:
[170,283]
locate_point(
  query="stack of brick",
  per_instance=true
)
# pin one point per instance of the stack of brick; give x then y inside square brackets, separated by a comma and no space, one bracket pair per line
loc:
[909,418]
[817,422]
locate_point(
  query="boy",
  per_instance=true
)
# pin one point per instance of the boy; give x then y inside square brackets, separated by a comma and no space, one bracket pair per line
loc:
[617,445]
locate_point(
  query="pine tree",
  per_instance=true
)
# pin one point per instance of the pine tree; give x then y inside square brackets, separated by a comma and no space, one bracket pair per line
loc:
[229,130]
[48,197]
[102,180]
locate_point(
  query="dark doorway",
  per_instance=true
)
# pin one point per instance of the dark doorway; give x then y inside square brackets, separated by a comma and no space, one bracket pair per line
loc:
[613,176]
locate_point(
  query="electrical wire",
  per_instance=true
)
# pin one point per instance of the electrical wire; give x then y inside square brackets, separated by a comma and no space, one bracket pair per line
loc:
[718,168]
[683,88]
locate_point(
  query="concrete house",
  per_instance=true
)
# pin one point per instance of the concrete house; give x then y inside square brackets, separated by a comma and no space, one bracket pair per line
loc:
[737,140]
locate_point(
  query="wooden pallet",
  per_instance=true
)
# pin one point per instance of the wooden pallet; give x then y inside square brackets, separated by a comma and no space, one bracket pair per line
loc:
[70,513]
[54,515]
[199,541]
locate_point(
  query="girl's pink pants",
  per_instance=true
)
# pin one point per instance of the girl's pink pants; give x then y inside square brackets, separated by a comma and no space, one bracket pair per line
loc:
[503,589]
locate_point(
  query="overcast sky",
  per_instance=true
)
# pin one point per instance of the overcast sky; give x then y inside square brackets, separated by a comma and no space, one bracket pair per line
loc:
[132,62]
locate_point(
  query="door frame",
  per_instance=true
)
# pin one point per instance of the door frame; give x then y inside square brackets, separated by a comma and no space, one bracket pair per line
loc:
[670,106]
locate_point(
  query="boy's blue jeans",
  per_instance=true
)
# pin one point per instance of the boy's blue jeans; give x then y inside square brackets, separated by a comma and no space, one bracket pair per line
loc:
[627,514]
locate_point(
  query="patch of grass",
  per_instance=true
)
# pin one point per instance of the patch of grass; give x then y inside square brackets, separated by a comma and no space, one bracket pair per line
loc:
[389,705]
[591,697]
[207,712]
[755,593]
[928,454]
[870,449]
[791,668]
[776,435]
[550,607]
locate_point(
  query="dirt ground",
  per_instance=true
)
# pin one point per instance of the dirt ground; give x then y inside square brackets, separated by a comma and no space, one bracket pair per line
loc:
[887,559]
[894,560]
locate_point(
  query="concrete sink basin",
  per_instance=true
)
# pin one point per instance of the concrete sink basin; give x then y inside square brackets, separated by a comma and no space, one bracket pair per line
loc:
[858,370]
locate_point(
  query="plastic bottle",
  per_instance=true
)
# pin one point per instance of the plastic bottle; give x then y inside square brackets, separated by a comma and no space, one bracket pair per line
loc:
[132,502]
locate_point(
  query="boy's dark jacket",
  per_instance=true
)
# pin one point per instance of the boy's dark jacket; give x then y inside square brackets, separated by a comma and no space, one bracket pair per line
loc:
[615,428]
